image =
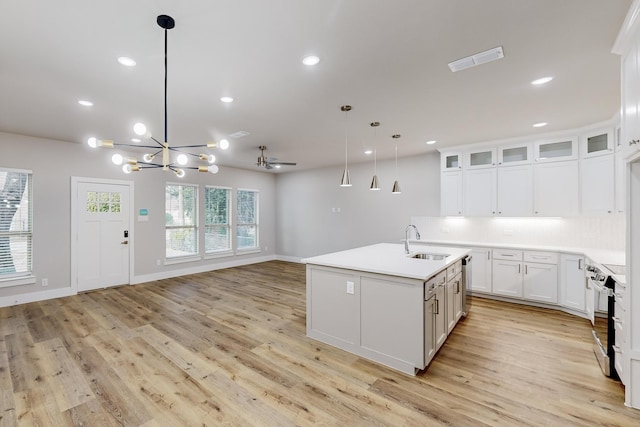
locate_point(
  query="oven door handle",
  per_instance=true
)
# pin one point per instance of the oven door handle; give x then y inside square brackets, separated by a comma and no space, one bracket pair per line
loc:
[601,289]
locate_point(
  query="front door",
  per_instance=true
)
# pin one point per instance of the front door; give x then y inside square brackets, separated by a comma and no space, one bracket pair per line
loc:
[102,234]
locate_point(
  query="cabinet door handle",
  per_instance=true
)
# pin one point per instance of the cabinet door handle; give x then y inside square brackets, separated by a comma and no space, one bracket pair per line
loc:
[525,269]
[580,260]
[489,255]
[519,268]
[634,141]
[437,310]
[457,286]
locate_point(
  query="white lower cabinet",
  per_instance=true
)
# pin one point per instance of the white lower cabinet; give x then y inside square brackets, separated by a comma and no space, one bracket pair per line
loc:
[530,275]
[507,278]
[572,282]
[540,282]
[454,302]
[429,329]
[481,271]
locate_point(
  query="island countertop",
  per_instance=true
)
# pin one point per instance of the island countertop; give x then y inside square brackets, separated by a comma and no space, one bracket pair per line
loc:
[390,259]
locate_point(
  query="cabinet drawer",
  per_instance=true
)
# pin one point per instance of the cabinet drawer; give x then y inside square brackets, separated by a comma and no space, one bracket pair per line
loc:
[437,280]
[453,270]
[542,257]
[507,254]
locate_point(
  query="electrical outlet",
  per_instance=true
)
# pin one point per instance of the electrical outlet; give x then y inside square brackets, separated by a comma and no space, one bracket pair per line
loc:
[351,288]
[45,282]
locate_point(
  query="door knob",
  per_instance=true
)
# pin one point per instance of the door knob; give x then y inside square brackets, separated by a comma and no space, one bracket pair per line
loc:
[126,242]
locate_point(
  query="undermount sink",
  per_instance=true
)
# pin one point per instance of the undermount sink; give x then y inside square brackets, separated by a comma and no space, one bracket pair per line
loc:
[430,256]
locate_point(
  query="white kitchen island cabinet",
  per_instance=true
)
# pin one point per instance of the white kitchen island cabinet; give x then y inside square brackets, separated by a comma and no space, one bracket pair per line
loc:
[370,301]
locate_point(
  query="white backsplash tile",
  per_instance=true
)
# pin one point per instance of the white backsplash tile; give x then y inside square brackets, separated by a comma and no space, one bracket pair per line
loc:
[604,232]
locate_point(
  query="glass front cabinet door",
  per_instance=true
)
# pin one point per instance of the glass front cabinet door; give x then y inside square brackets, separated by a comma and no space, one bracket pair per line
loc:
[556,150]
[596,143]
[512,155]
[450,161]
[480,158]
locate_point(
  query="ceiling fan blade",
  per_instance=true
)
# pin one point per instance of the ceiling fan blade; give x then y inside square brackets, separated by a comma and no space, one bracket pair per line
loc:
[283,163]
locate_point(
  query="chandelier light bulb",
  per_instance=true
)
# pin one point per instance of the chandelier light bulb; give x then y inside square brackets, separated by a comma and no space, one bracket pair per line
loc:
[224,144]
[126,168]
[213,169]
[93,142]
[179,172]
[140,129]
[117,159]
[147,158]
[182,159]
[207,158]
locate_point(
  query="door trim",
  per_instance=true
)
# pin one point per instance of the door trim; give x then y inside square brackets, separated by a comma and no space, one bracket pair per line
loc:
[75,181]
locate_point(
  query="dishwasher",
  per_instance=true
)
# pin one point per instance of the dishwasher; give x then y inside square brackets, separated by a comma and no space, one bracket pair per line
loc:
[466,285]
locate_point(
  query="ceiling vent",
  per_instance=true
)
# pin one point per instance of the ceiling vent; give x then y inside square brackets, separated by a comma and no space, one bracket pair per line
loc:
[477,59]
[239,134]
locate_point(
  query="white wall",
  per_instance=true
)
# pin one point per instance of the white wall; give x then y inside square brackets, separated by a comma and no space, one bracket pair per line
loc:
[54,163]
[306,224]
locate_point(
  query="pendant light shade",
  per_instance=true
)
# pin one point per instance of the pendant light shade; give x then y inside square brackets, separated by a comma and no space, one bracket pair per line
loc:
[396,185]
[346,178]
[374,182]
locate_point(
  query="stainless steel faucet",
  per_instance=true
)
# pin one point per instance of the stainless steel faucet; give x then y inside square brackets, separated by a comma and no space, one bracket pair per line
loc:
[406,237]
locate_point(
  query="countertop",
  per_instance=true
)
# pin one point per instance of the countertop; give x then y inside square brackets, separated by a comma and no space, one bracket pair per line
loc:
[390,259]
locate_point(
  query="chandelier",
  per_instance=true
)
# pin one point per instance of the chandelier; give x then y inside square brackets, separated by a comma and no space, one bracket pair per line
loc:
[162,150]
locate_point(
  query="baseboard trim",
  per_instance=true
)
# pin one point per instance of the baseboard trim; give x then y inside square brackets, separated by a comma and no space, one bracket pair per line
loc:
[36,296]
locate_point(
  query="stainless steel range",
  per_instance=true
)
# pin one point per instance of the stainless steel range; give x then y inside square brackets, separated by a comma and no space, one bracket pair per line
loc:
[601,309]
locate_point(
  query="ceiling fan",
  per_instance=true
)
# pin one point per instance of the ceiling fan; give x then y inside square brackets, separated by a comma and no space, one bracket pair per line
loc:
[270,162]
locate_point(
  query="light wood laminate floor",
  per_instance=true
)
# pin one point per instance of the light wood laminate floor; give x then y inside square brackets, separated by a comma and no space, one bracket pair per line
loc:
[228,347]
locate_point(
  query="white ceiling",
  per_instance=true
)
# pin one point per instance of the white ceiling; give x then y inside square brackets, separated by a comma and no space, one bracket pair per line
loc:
[387,59]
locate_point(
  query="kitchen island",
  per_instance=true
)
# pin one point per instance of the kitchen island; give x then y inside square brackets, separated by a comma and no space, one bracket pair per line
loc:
[383,304]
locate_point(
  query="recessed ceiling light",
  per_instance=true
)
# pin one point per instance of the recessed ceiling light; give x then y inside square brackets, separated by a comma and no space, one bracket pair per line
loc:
[310,60]
[126,61]
[541,81]
[539,125]
[226,99]
[277,166]
[135,139]
[367,152]
[431,142]
[85,103]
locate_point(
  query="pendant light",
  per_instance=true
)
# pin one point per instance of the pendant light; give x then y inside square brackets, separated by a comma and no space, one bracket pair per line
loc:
[346,179]
[374,182]
[396,186]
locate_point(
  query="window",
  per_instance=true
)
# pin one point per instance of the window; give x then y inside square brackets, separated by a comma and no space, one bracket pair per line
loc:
[16,223]
[181,220]
[217,227]
[247,219]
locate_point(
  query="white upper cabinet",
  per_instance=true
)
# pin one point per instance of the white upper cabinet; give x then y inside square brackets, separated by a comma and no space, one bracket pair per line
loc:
[597,185]
[556,189]
[596,143]
[451,193]
[513,155]
[480,192]
[451,161]
[556,150]
[515,191]
[631,101]
[620,168]
[480,158]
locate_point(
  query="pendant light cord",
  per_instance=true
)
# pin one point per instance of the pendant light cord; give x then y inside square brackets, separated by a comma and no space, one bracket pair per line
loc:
[165,85]
[346,138]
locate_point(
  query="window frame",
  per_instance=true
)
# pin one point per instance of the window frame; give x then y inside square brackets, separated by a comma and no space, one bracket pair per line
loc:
[229,225]
[194,227]
[255,224]
[24,277]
